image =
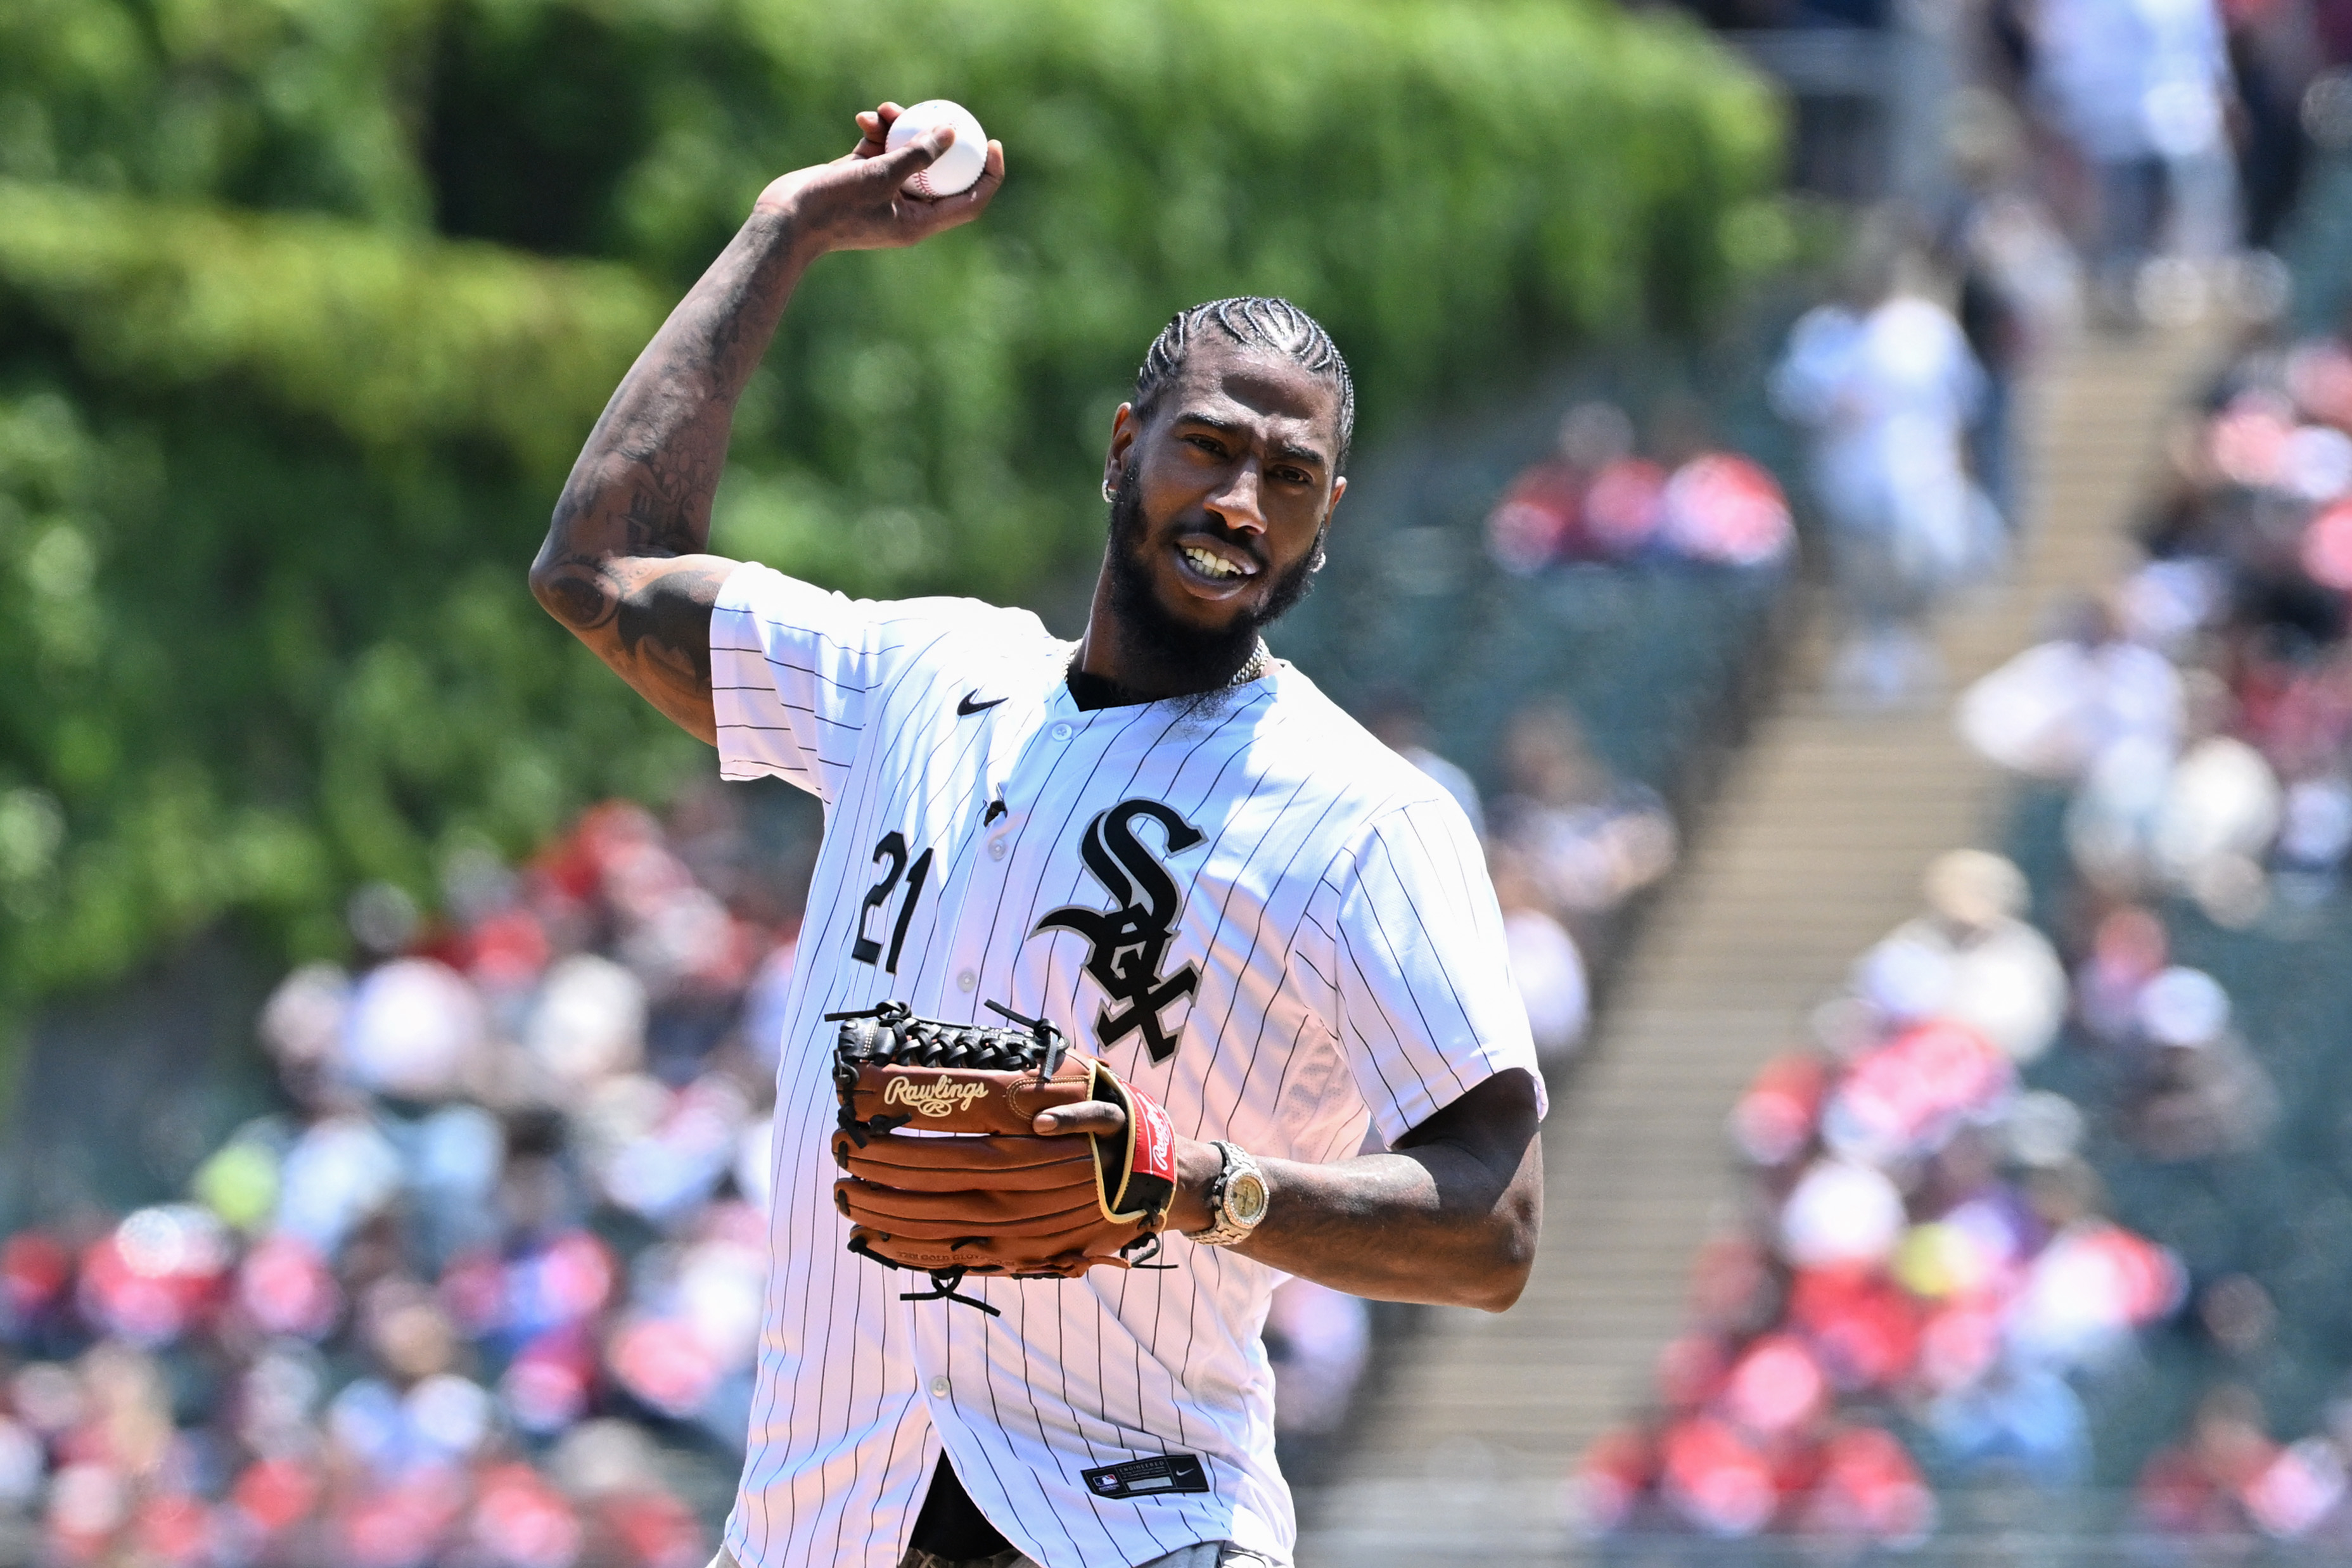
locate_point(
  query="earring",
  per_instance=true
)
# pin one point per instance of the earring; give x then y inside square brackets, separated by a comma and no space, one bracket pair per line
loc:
[1110,494]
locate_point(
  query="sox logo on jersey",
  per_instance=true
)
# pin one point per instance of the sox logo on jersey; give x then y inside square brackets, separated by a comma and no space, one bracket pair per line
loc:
[1287,933]
[1129,943]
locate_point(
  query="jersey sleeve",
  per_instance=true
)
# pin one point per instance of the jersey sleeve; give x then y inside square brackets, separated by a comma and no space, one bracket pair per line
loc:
[1426,1007]
[798,672]
[794,668]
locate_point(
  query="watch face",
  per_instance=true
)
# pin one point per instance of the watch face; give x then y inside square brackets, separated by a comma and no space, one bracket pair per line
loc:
[1246,1199]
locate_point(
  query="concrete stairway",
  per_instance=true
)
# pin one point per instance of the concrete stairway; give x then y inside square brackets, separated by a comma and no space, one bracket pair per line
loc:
[1813,850]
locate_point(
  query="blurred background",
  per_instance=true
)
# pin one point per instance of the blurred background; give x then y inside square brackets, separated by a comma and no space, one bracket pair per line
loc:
[1855,496]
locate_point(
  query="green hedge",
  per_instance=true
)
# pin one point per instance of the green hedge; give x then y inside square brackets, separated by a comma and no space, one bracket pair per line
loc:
[399,344]
[266,480]
[285,392]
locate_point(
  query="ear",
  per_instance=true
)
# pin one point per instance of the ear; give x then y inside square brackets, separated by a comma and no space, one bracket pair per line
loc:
[1123,427]
[1323,528]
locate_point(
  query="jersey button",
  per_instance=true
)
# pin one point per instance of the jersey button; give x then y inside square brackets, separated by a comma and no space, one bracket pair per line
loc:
[966,980]
[1060,732]
[996,849]
[939,1388]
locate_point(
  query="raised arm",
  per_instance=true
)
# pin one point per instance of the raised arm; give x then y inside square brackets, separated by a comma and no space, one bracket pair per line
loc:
[623,565]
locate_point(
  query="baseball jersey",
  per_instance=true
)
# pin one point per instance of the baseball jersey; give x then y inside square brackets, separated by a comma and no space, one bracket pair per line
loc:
[1244,902]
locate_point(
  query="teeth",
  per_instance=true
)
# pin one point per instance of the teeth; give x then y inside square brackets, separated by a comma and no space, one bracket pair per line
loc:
[1209,565]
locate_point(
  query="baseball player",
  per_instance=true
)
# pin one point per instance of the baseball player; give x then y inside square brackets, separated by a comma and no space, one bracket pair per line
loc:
[1160,839]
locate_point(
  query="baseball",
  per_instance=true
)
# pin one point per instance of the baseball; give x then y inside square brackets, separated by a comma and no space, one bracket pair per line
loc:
[959,165]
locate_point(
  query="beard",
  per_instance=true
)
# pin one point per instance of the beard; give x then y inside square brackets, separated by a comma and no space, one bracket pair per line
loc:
[1184,656]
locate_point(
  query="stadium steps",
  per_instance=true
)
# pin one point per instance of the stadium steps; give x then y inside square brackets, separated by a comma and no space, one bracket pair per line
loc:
[1811,851]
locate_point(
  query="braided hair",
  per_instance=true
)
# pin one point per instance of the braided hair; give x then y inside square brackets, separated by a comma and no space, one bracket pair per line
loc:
[1257,322]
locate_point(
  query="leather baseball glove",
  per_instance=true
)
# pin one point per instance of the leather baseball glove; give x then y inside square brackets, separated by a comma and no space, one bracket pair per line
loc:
[944,1172]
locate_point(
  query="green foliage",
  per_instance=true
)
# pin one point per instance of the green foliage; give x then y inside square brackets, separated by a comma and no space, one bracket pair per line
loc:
[399,344]
[265,103]
[267,484]
[305,305]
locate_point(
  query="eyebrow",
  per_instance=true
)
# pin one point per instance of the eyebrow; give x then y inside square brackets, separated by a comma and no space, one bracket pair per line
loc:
[1289,450]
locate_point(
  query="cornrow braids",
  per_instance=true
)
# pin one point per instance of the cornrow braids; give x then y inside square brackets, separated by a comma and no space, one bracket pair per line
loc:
[1253,321]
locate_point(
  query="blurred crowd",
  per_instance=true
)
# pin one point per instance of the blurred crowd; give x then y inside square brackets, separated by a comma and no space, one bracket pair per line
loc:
[1595,499]
[1923,1274]
[2118,161]
[484,1290]
[2198,717]
[1924,1287]
[1568,844]
[2161,135]
[2199,712]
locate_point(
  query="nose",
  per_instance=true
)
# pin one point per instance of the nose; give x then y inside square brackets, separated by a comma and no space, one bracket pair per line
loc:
[1237,505]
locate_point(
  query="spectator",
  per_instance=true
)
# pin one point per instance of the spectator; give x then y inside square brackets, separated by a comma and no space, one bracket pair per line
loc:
[1887,385]
[1595,500]
[2201,821]
[2273,55]
[2016,279]
[2202,1487]
[2002,977]
[1545,962]
[2053,711]
[2195,1091]
[1541,518]
[1589,840]
[2140,90]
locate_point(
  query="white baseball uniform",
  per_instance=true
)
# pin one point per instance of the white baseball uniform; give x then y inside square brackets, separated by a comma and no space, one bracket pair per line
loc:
[1243,902]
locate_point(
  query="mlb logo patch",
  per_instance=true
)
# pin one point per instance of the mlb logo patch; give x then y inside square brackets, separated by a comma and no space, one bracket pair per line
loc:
[1148,1477]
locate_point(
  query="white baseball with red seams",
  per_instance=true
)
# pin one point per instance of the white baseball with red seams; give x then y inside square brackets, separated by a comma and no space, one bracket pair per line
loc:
[1251,909]
[954,170]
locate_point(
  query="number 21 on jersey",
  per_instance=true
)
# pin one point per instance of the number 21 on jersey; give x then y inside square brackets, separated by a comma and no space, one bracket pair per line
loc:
[892,850]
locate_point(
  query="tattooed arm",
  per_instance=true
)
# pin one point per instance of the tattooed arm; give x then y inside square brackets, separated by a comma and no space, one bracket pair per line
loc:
[623,564]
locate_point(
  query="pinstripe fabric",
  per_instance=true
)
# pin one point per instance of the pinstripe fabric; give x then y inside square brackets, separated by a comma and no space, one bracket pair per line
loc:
[1199,1554]
[1350,968]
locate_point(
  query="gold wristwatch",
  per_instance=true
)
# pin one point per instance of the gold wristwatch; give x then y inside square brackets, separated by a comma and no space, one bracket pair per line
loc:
[1236,1199]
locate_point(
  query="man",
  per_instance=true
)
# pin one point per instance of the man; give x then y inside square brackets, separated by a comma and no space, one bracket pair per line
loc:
[1162,840]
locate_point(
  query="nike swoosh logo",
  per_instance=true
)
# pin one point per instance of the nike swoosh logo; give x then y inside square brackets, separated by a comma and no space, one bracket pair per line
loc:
[967,708]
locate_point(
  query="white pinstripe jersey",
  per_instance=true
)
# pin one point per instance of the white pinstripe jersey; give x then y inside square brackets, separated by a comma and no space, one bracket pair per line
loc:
[1291,932]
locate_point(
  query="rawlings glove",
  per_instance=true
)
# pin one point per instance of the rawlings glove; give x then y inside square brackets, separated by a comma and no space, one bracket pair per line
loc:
[945,1173]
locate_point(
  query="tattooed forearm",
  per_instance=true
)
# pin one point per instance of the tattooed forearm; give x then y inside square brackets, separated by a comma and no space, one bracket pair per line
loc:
[643,481]
[621,564]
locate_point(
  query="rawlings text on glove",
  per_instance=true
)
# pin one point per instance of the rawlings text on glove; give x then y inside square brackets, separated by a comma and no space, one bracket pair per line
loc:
[979,1191]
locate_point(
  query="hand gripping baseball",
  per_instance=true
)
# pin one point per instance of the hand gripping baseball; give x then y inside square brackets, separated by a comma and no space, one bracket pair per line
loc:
[979,1191]
[859,201]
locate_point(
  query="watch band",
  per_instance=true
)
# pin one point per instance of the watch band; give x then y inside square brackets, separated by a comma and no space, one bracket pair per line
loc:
[1236,1198]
